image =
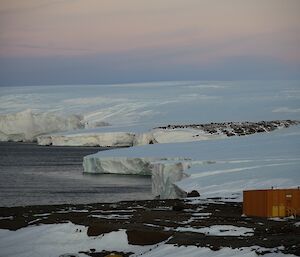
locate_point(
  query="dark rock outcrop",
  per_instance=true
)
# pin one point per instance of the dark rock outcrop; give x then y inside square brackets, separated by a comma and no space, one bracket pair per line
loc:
[236,128]
[193,193]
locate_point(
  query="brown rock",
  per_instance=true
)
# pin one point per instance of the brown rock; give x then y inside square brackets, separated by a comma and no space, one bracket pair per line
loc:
[193,193]
[144,237]
[99,229]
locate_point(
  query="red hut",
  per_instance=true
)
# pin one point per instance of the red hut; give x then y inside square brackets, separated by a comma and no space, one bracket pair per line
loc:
[271,202]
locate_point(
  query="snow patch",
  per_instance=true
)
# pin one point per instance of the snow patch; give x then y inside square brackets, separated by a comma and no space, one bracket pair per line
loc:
[7,218]
[194,251]
[218,230]
[111,216]
[56,239]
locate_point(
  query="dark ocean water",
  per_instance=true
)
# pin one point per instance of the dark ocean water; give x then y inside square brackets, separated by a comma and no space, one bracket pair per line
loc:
[34,175]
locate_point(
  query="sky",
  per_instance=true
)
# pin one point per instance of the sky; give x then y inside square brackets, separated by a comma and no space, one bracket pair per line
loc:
[115,41]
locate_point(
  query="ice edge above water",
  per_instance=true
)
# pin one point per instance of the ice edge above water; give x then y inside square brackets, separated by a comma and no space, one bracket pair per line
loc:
[219,168]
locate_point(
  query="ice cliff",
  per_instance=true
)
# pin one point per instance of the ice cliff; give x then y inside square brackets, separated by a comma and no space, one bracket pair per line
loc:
[164,177]
[119,165]
[107,139]
[27,125]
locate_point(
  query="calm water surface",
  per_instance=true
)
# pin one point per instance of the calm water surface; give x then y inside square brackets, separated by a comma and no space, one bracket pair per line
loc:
[32,175]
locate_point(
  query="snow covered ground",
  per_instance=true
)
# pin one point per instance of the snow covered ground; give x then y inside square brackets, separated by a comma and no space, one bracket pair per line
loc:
[218,168]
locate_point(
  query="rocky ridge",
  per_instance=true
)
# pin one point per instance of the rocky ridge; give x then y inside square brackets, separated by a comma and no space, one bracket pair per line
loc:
[235,128]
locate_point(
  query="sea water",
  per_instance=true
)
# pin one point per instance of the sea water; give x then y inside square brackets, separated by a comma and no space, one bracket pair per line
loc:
[36,175]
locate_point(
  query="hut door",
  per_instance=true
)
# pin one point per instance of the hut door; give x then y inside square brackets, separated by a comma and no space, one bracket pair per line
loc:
[288,200]
[278,201]
[275,207]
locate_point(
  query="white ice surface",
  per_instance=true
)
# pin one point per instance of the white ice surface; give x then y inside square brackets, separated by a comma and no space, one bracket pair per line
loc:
[218,168]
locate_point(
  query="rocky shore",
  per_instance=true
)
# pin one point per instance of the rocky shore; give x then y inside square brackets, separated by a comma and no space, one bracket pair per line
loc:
[206,223]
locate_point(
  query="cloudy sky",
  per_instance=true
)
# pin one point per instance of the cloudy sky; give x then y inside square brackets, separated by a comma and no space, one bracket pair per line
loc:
[115,41]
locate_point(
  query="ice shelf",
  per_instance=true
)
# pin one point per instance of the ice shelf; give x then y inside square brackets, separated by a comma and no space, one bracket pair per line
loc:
[131,136]
[218,168]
